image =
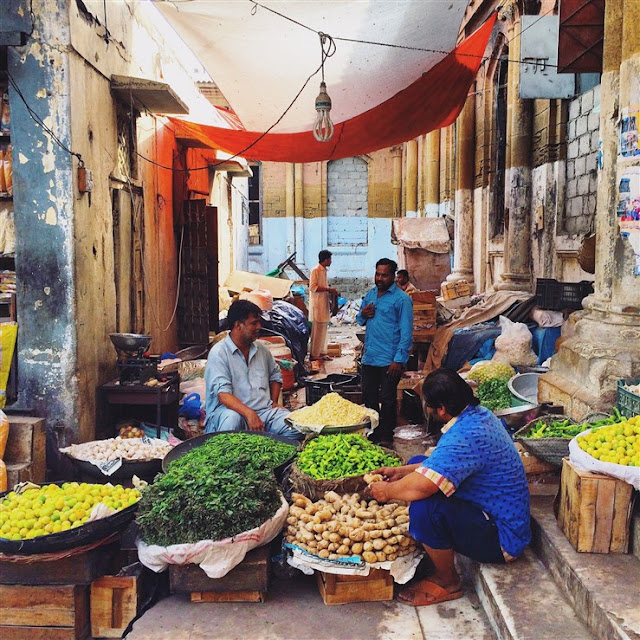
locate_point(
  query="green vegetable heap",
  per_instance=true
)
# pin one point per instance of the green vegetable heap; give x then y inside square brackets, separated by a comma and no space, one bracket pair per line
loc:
[341,455]
[569,429]
[494,394]
[490,370]
[220,489]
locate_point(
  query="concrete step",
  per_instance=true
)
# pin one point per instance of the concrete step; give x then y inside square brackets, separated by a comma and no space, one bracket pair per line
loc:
[635,531]
[522,601]
[604,589]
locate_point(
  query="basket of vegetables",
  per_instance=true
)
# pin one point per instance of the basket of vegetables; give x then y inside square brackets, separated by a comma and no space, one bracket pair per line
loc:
[338,462]
[548,436]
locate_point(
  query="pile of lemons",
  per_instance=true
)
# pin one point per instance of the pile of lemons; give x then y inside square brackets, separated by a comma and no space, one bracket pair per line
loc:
[617,443]
[53,508]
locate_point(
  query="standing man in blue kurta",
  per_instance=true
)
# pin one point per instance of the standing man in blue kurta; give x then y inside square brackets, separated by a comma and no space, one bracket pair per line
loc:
[387,314]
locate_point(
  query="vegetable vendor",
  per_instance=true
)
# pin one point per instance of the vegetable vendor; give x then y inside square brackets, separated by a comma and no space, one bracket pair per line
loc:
[470,496]
[243,380]
[387,313]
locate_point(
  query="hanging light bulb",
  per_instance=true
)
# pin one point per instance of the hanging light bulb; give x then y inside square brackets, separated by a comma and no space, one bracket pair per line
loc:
[323,127]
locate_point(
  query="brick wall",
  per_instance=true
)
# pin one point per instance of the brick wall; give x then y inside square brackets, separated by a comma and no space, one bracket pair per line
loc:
[347,202]
[582,162]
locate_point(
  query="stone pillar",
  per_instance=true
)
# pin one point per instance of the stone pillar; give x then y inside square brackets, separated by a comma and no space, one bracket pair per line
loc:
[432,168]
[289,209]
[299,214]
[411,182]
[516,275]
[606,344]
[465,153]
[397,181]
[421,174]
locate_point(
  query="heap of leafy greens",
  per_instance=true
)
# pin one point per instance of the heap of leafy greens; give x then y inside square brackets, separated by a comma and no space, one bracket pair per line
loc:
[494,394]
[220,489]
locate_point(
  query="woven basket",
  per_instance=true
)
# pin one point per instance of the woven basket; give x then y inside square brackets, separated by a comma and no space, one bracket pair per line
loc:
[315,489]
[551,450]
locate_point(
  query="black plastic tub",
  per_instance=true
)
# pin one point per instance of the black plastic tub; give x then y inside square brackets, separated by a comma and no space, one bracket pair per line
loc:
[146,470]
[189,445]
[87,533]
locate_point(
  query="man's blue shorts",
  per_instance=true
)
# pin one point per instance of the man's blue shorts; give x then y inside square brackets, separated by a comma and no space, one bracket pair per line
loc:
[450,523]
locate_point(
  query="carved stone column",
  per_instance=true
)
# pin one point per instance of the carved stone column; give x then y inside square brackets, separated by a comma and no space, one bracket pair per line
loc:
[397,181]
[432,171]
[517,236]
[465,155]
[606,345]
[411,182]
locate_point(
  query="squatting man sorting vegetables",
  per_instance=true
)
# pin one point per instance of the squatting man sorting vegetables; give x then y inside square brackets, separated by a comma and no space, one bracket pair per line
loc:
[243,380]
[470,496]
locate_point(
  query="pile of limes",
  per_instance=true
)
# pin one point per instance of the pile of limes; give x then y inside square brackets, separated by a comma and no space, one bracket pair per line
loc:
[617,443]
[53,508]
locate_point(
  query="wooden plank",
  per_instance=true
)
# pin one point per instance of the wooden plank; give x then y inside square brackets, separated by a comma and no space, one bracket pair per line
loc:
[114,604]
[585,506]
[605,495]
[228,596]
[622,511]
[81,568]
[41,633]
[45,606]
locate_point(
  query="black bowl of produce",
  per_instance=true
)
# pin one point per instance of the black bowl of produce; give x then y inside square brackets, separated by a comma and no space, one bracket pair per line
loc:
[69,538]
[144,469]
[283,461]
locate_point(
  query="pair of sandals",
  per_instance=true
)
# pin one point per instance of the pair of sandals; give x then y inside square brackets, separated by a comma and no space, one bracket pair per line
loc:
[425,592]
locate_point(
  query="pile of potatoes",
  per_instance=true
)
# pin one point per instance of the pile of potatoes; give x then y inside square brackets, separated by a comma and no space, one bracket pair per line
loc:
[345,526]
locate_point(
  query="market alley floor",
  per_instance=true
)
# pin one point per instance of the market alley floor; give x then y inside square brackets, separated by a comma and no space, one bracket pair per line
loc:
[294,610]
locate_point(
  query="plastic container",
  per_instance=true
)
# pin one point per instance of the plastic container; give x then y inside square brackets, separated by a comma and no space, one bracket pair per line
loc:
[628,402]
[555,296]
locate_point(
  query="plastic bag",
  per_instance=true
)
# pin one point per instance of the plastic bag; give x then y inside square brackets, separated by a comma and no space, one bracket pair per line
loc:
[215,558]
[585,462]
[513,345]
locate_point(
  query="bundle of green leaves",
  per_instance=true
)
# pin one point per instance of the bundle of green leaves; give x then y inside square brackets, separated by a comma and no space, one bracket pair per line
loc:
[213,492]
[494,394]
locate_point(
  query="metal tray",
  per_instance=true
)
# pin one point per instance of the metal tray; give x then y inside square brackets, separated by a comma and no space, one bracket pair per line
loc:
[184,447]
[85,534]
[329,430]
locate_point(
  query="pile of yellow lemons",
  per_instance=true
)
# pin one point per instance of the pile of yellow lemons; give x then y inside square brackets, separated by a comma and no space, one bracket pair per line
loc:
[617,443]
[53,508]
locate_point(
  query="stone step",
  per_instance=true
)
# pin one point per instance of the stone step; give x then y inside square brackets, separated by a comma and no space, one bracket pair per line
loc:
[635,531]
[604,589]
[522,601]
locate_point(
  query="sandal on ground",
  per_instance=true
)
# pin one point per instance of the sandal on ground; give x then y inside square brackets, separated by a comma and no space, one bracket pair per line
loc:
[424,593]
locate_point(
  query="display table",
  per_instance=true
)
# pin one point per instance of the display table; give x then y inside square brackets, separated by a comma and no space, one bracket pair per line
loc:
[164,396]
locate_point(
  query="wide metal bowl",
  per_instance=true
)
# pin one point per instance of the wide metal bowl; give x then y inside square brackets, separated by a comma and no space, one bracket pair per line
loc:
[188,445]
[85,534]
[525,387]
[131,342]
[364,424]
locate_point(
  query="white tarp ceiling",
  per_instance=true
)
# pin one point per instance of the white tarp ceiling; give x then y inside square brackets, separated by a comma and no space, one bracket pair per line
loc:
[260,60]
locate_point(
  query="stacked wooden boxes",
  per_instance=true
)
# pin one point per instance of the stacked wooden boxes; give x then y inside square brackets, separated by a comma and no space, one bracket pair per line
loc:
[424,315]
[342,589]
[594,511]
[49,599]
[452,290]
[247,582]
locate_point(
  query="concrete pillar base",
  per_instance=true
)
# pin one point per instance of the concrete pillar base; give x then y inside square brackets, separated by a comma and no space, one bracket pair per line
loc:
[514,282]
[585,371]
[458,275]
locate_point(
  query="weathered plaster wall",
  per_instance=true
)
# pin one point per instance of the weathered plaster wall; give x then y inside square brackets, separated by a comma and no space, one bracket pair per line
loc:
[43,176]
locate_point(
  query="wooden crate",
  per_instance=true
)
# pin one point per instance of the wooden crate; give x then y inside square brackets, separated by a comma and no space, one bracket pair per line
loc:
[247,582]
[39,612]
[81,568]
[594,511]
[341,589]
[116,600]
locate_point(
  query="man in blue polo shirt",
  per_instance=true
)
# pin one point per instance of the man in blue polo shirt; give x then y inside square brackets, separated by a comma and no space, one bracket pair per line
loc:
[387,314]
[470,496]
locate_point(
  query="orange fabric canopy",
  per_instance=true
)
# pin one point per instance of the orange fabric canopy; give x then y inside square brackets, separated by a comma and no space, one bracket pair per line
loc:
[431,102]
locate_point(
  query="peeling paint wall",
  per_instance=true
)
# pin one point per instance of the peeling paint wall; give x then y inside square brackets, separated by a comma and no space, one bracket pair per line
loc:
[65,258]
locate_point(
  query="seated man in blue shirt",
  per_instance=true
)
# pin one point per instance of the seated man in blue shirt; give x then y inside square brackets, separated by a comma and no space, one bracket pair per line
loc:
[470,496]
[243,380]
[387,314]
